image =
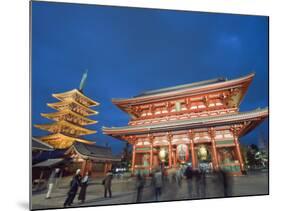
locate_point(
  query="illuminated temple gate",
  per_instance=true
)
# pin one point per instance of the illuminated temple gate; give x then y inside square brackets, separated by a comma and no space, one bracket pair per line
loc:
[197,122]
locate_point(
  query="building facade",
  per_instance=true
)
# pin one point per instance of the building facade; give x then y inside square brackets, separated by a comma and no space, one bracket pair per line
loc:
[94,159]
[198,124]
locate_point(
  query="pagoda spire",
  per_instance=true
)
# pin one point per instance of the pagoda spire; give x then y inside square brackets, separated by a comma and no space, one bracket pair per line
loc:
[70,119]
[83,80]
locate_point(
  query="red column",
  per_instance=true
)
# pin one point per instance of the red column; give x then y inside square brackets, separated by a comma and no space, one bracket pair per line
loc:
[89,168]
[214,149]
[84,167]
[174,158]
[238,150]
[133,158]
[170,155]
[193,154]
[151,158]
[151,138]
[109,167]
[169,137]
[105,168]
[190,135]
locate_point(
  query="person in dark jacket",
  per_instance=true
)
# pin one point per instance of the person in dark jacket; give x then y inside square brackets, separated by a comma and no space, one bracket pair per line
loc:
[203,183]
[107,184]
[74,185]
[140,185]
[197,179]
[157,182]
[84,185]
[189,175]
[226,182]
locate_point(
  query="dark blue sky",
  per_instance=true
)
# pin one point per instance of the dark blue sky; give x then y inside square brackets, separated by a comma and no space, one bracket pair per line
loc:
[130,50]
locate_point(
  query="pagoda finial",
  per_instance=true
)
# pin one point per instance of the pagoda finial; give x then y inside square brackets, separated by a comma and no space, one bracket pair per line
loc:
[83,80]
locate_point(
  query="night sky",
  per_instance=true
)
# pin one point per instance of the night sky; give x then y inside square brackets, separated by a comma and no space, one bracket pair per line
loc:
[131,50]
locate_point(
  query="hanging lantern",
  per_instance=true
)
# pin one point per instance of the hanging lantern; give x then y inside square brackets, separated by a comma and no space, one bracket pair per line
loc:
[202,152]
[145,159]
[162,154]
[182,152]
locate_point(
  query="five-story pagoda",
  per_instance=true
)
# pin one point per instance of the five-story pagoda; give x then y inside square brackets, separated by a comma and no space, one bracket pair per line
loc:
[70,119]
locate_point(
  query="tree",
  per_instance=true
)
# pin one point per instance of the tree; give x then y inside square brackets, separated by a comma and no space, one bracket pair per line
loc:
[251,151]
[126,155]
[254,147]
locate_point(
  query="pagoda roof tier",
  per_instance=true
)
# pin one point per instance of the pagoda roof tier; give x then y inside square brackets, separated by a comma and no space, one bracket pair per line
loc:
[62,141]
[253,117]
[93,152]
[238,88]
[73,106]
[77,96]
[69,116]
[65,128]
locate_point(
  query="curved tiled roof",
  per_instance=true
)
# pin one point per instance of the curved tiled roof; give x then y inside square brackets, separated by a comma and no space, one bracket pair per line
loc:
[49,163]
[192,88]
[40,145]
[95,152]
[184,86]
[190,123]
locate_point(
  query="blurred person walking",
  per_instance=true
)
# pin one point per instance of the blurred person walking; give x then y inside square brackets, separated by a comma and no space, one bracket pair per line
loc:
[197,180]
[189,177]
[83,190]
[227,183]
[52,181]
[157,181]
[140,182]
[107,184]
[203,184]
[74,185]
[179,176]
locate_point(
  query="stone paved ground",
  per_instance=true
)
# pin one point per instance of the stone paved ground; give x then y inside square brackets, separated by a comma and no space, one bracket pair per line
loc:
[123,191]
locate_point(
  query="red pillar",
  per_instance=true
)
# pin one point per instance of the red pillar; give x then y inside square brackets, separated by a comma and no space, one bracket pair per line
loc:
[170,155]
[193,154]
[133,158]
[238,150]
[109,167]
[191,136]
[89,168]
[214,149]
[84,167]
[169,138]
[151,158]
[174,158]
[105,168]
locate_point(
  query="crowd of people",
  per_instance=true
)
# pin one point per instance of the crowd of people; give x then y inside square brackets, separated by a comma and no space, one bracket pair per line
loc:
[161,181]
[82,182]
